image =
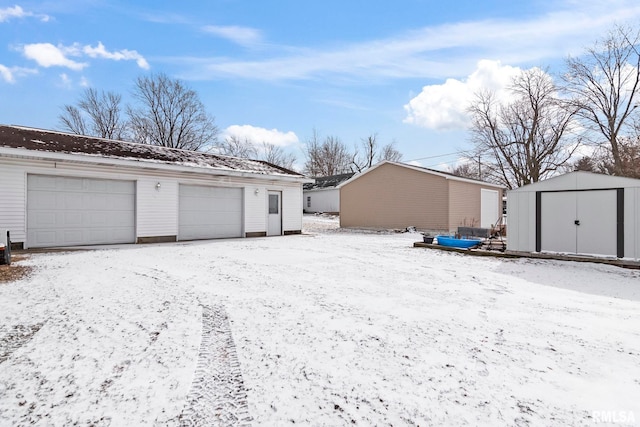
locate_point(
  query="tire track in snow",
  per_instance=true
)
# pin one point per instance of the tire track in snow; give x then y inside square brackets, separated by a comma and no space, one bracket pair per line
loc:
[217,396]
[15,338]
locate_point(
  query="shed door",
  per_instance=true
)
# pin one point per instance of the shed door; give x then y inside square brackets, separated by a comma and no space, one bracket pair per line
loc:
[489,208]
[65,211]
[580,222]
[209,212]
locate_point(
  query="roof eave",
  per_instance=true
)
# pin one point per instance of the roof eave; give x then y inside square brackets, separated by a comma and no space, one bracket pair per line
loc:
[145,164]
[423,170]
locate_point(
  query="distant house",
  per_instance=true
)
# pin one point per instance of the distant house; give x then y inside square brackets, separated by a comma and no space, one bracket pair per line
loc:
[323,195]
[398,195]
[576,213]
[58,189]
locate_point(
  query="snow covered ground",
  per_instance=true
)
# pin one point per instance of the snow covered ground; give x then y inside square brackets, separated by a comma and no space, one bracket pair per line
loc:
[330,328]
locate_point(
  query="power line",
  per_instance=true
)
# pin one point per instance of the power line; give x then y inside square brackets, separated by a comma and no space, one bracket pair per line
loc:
[435,157]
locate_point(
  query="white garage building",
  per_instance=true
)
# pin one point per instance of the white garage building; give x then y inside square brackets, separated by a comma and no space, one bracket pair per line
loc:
[577,213]
[58,189]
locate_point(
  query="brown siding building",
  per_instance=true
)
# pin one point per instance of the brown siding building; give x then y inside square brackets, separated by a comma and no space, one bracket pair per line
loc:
[397,195]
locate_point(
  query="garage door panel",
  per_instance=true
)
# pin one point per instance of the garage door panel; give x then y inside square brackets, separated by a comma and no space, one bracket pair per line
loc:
[70,219]
[119,201]
[43,238]
[70,201]
[42,200]
[39,183]
[69,184]
[79,211]
[209,212]
[71,237]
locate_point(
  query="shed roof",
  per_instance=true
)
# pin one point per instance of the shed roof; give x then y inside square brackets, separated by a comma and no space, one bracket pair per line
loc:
[579,180]
[445,175]
[86,147]
[326,182]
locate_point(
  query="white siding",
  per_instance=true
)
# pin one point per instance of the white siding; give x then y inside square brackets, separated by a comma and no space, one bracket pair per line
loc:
[255,216]
[13,202]
[322,200]
[157,207]
[521,220]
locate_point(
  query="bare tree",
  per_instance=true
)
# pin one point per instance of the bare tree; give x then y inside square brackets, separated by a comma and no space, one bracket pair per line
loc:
[604,84]
[170,115]
[364,157]
[237,147]
[368,153]
[326,158]
[467,169]
[97,114]
[245,148]
[522,141]
[276,155]
[73,121]
[390,153]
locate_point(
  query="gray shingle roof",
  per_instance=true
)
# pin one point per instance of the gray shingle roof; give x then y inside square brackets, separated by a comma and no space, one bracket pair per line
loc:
[327,181]
[59,142]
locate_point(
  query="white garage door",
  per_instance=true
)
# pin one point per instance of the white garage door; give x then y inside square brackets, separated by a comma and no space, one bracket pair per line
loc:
[209,212]
[65,211]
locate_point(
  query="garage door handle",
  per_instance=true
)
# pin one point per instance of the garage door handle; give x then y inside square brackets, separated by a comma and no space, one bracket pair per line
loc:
[576,222]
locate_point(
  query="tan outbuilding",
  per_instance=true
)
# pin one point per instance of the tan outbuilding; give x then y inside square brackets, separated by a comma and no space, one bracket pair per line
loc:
[397,195]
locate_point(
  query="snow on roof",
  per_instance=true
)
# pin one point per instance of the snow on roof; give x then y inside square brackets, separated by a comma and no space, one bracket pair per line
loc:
[59,142]
[327,181]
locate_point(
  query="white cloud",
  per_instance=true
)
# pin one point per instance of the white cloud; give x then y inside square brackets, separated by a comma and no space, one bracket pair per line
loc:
[48,55]
[9,74]
[243,36]
[441,51]
[11,12]
[259,135]
[6,74]
[101,52]
[65,80]
[18,12]
[443,107]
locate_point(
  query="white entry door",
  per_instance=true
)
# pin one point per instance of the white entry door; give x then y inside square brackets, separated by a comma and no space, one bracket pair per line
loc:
[274,220]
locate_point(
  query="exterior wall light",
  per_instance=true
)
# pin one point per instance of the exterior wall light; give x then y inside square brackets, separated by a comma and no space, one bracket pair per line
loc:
[257,191]
[158,186]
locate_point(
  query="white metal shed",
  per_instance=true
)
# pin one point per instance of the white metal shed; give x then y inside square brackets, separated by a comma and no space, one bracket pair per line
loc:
[576,213]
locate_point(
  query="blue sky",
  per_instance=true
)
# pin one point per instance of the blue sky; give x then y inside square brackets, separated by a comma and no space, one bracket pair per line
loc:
[276,70]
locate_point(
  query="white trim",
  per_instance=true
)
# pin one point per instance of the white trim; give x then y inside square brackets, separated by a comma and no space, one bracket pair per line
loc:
[85,158]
